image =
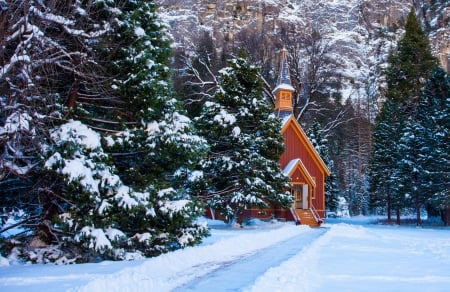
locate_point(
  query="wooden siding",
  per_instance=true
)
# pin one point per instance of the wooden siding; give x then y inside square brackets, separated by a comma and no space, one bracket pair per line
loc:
[296,148]
[298,177]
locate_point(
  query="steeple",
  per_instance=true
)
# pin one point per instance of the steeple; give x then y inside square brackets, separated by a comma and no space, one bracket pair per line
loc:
[283,91]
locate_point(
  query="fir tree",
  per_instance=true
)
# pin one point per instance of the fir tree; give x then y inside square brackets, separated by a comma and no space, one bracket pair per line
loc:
[159,146]
[391,165]
[119,198]
[383,158]
[242,169]
[409,175]
[410,64]
[434,117]
[46,57]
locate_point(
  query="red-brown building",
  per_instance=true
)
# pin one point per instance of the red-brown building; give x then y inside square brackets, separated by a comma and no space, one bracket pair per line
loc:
[300,161]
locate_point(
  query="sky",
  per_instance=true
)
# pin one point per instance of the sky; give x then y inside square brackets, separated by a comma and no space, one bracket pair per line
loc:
[343,255]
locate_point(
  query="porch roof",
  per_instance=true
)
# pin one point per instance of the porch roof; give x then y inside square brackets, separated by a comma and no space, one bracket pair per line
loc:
[297,163]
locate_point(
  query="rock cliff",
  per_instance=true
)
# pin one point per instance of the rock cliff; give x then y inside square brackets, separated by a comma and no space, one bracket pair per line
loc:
[359,33]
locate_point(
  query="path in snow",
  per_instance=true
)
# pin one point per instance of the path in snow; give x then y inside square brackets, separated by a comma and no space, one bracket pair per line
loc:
[227,276]
[176,270]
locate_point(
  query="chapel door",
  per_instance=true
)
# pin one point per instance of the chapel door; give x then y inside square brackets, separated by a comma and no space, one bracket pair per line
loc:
[297,193]
[305,197]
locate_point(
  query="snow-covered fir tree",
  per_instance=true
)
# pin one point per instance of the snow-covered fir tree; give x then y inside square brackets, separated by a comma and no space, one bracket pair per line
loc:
[383,159]
[152,216]
[393,161]
[409,172]
[241,170]
[434,117]
[45,48]
[410,64]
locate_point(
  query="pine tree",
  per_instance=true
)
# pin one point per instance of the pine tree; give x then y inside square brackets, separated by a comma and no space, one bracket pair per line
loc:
[409,67]
[384,156]
[410,64]
[45,56]
[242,169]
[117,195]
[158,147]
[434,117]
[409,172]
[315,135]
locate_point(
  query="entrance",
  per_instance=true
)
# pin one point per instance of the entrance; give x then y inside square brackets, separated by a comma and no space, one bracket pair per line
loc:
[300,193]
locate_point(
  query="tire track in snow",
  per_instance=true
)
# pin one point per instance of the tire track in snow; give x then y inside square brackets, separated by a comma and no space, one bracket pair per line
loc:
[227,274]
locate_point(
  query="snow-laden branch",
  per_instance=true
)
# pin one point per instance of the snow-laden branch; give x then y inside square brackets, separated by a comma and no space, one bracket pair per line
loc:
[13,61]
[66,24]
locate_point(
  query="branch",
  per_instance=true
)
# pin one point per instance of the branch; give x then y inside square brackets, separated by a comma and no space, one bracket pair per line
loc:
[201,82]
[221,192]
[336,122]
[19,223]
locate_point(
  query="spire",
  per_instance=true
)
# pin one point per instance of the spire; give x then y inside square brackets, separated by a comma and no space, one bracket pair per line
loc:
[284,76]
[283,91]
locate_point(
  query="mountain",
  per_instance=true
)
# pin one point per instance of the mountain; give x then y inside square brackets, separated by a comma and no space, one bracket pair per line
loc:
[359,34]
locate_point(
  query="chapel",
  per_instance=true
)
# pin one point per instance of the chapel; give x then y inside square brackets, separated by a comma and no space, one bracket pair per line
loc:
[300,161]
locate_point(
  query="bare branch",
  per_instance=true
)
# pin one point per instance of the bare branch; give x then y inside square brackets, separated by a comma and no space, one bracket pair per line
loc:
[200,81]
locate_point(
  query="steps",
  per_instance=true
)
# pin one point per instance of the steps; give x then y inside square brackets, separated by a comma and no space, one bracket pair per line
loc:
[306,217]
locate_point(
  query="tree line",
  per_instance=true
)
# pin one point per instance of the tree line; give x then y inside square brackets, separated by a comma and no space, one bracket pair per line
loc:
[409,167]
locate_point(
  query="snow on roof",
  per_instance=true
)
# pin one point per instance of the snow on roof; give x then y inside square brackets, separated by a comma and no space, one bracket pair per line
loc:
[285,120]
[283,86]
[293,164]
[290,166]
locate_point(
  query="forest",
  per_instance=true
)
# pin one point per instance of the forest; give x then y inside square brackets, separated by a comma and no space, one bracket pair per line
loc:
[113,140]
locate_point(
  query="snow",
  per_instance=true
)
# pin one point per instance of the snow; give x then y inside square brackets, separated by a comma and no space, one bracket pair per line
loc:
[16,122]
[225,118]
[139,31]
[236,131]
[288,169]
[351,254]
[81,134]
[99,241]
[283,86]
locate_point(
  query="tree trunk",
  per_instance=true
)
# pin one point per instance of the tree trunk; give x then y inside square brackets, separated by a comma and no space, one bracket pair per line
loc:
[446,216]
[389,216]
[418,222]
[397,210]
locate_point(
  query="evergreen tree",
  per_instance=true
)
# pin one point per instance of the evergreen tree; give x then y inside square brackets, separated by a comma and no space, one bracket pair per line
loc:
[44,57]
[119,198]
[383,158]
[242,169]
[409,174]
[315,135]
[394,145]
[410,64]
[434,117]
[160,144]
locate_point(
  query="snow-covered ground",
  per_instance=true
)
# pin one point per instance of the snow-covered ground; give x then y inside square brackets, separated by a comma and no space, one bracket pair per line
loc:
[349,255]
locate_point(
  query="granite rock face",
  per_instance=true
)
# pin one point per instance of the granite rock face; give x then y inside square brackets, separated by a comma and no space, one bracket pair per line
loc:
[359,33]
